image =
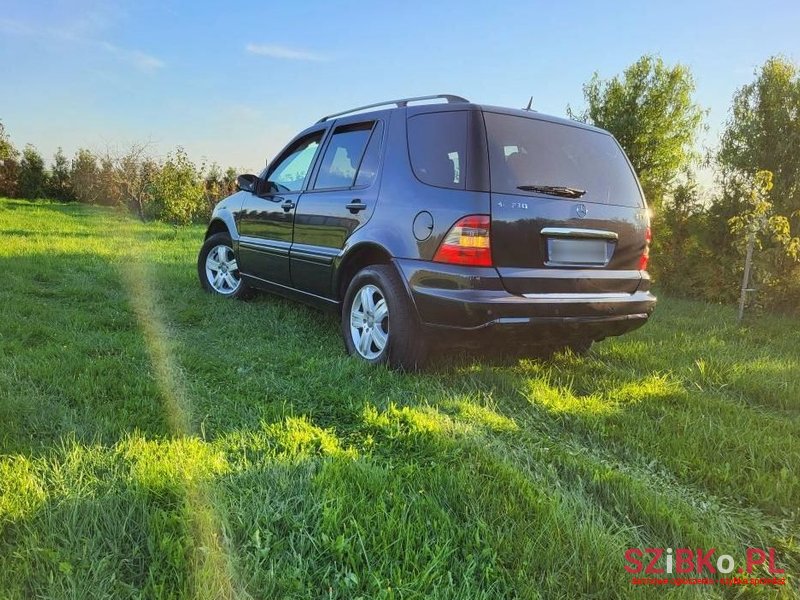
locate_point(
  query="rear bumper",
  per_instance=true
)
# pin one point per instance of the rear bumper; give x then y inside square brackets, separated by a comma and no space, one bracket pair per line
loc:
[451,297]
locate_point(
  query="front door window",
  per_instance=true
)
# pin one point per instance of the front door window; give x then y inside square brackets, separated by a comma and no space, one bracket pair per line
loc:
[290,173]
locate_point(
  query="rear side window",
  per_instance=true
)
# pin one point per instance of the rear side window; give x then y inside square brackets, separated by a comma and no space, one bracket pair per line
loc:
[368,170]
[343,156]
[532,152]
[437,146]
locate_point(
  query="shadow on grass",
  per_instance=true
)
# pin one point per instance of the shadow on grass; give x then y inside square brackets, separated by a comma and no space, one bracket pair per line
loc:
[423,509]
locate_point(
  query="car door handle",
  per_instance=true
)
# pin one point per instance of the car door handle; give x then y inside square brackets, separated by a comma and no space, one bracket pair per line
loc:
[287,205]
[355,206]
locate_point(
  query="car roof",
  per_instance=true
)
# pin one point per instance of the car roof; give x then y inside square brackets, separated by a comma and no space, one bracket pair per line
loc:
[454,103]
[416,109]
[532,114]
[517,112]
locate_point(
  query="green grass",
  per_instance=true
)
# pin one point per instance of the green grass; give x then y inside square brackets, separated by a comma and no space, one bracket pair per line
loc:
[157,442]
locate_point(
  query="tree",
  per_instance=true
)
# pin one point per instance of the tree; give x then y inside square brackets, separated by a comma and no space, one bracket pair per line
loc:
[6,147]
[137,175]
[32,174]
[218,184]
[83,177]
[110,190]
[651,112]
[132,175]
[213,184]
[229,180]
[756,222]
[9,165]
[60,187]
[763,133]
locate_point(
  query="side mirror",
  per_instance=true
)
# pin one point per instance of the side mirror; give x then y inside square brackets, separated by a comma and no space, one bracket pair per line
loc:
[247,183]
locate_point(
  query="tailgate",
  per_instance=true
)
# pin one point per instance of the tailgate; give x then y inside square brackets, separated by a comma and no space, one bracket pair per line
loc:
[567,213]
[540,245]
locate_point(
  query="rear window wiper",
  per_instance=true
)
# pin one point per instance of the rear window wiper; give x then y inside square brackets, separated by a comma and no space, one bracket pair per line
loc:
[553,190]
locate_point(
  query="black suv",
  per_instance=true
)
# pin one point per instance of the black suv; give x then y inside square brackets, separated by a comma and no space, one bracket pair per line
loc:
[426,217]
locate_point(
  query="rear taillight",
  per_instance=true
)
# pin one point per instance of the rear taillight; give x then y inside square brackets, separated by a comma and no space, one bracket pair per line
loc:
[467,243]
[648,237]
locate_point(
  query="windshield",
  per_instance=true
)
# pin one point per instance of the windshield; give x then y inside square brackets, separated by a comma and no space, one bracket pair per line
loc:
[530,156]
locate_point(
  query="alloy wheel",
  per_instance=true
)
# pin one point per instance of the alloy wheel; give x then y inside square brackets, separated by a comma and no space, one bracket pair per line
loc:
[222,271]
[369,322]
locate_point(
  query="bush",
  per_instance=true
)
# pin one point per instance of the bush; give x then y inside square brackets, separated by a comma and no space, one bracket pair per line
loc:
[178,191]
[9,165]
[84,178]
[60,184]
[32,180]
[680,261]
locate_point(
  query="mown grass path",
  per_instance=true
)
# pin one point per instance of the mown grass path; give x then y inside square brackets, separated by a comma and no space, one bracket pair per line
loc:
[156,442]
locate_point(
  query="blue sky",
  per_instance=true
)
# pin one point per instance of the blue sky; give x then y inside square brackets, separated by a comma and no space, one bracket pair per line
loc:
[231,85]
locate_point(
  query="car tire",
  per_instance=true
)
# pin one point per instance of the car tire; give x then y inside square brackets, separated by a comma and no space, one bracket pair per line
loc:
[218,269]
[375,295]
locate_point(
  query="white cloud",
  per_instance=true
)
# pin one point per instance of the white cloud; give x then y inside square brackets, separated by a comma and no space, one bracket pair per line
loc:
[14,27]
[284,52]
[243,112]
[145,62]
[140,60]
[72,33]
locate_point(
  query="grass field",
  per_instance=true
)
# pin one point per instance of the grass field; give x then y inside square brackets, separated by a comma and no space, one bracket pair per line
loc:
[157,442]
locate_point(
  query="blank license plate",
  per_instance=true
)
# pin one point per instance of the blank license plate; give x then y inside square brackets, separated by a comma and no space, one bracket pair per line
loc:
[578,252]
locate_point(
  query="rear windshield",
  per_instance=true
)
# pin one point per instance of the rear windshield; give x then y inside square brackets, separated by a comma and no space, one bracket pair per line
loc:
[531,152]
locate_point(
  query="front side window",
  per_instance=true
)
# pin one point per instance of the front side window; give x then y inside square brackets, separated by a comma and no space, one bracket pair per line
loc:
[437,145]
[343,156]
[291,171]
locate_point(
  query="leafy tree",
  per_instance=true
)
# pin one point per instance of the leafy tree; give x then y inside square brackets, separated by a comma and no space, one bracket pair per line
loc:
[651,111]
[84,177]
[111,193]
[178,193]
[60,186]
[9,165]
[763,133]
[758,222]
[6,147]
[32,174]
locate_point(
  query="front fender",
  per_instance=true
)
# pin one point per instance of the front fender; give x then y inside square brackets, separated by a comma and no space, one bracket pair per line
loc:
[224,213]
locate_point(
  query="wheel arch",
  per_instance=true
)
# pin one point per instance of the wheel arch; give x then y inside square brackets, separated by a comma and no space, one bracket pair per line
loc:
[358,257]
[222,224]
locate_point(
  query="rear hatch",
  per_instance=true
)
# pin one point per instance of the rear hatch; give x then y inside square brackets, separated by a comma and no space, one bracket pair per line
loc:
[567,212]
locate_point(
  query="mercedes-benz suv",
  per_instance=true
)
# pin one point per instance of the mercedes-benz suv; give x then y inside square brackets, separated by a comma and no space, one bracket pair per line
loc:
[427,216]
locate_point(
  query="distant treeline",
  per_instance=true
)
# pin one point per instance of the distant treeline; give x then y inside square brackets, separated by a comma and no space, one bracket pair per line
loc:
[173,189]
[699,237]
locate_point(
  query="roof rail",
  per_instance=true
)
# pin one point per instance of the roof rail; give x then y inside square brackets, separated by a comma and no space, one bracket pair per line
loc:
[398,103]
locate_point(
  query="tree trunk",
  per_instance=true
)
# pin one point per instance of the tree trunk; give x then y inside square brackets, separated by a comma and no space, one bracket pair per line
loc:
[748,259]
